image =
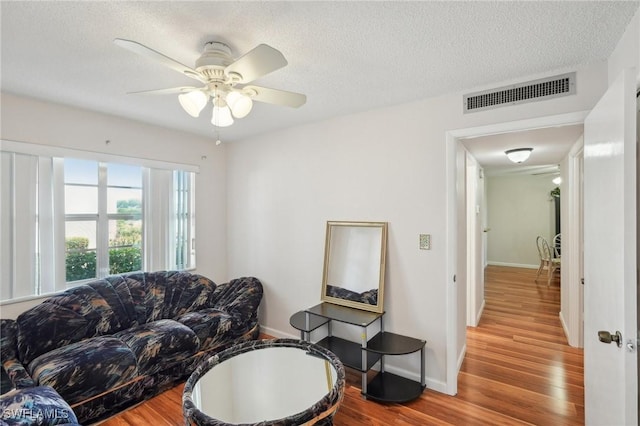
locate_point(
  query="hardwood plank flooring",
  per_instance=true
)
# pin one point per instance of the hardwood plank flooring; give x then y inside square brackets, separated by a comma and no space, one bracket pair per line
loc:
[518,370]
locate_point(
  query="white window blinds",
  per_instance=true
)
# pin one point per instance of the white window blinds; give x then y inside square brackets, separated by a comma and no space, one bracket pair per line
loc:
[60,227]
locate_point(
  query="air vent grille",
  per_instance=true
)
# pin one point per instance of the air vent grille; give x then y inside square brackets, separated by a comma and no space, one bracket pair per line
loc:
[537,90]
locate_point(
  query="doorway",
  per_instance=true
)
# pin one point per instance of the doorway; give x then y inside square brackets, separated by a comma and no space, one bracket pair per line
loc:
[456,267]
[510,205]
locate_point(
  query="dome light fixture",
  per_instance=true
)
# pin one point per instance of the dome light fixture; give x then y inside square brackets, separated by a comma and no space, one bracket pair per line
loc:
[221,114]
[239,103]
[193,102]
[518,155]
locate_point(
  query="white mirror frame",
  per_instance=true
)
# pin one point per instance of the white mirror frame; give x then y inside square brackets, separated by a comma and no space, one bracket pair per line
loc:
[355,257]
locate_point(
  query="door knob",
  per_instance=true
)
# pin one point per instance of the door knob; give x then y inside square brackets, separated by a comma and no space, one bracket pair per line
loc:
[606,337]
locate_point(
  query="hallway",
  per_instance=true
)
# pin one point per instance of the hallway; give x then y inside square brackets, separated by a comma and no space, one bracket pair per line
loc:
[518,361]
[518,367]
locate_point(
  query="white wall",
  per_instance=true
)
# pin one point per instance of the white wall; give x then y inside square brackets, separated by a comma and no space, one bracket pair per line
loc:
[519,209]
[627,51]
[28,120]
[383,165]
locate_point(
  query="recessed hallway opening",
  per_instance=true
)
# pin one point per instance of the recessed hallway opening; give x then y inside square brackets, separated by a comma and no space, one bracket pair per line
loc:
[518,362]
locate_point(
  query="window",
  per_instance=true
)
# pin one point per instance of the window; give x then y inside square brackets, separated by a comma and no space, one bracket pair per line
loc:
[103,219]
[185,253]
[68,219]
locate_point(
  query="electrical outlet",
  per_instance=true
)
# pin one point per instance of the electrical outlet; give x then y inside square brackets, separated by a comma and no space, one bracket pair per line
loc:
[425,241]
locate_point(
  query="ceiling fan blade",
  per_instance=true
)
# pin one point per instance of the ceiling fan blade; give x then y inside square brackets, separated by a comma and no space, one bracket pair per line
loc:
[143,50]
[260,61]
[168,91]
[275,96]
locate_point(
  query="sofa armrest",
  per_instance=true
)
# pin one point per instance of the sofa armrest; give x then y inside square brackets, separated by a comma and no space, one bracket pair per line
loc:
[18,375]
[40,405]
[239,298]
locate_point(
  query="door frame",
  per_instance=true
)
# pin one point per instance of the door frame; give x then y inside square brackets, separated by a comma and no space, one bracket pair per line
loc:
[457,267]
[471,191]
[572,241]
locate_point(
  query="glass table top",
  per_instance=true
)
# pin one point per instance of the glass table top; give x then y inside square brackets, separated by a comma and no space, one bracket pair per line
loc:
[268,383]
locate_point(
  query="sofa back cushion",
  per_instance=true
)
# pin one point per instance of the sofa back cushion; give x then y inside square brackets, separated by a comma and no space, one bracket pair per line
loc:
[184,292]
[78,313]
[107,306]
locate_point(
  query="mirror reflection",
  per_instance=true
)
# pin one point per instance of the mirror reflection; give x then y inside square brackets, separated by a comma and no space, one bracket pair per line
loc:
[354,264]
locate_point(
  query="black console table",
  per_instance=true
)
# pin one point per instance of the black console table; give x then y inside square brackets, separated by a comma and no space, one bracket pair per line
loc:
[363,355]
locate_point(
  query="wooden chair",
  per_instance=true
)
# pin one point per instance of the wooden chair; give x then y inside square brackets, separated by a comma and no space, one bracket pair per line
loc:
[547,261]
[557,244]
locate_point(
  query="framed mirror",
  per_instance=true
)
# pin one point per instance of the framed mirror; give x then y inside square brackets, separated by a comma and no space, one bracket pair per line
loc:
[354,264]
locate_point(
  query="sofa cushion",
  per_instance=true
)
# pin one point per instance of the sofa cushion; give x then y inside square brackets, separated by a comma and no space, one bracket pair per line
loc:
[186,292]
[212,326]
[40,405]
[239,298]
[159,344]
[79,313]
[131,291]
[85,369]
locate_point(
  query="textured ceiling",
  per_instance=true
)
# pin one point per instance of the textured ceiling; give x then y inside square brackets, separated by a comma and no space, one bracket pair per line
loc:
[550,145]
[345,56]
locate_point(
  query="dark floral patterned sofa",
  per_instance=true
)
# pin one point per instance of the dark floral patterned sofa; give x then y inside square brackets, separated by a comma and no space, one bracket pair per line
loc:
[35,406]
[109,344]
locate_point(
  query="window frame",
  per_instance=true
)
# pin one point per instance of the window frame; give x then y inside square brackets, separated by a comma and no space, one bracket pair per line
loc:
[50,187]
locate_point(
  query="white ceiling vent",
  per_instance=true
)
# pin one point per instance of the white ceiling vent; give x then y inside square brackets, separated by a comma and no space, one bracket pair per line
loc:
[536,90]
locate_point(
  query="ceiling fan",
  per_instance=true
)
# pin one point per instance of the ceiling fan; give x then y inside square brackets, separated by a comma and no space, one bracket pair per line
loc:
[224,80]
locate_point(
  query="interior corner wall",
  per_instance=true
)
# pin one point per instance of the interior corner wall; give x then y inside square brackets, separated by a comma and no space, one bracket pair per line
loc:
[627,51]
[33,121]
[387,164]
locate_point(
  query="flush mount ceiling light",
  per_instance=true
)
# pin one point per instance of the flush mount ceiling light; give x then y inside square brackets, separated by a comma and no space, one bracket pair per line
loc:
[224,80]
[519,155]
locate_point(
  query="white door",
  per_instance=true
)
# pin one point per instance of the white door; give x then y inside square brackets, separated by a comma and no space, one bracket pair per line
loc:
[610,372]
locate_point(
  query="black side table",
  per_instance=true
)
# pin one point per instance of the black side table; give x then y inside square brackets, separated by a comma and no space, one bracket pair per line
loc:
[363,356]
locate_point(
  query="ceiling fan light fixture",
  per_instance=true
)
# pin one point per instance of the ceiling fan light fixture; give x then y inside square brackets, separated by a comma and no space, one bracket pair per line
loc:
[193,102]
[518,155]
[557,180]
[221,114]
[240,104]
[220,72]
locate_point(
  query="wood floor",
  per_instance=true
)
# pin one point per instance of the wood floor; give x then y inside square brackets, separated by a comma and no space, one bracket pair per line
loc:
[518,370]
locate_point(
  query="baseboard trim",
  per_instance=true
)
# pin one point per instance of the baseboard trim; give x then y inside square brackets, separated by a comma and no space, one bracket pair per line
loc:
[480,312]
[463,352]
[565,328]
[432,384]
[277,333]
[513,265]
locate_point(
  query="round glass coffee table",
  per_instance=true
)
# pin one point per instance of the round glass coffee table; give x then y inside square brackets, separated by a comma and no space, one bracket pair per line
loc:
[266,382]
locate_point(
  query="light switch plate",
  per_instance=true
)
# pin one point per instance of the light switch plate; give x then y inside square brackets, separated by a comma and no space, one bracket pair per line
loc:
[425,241]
